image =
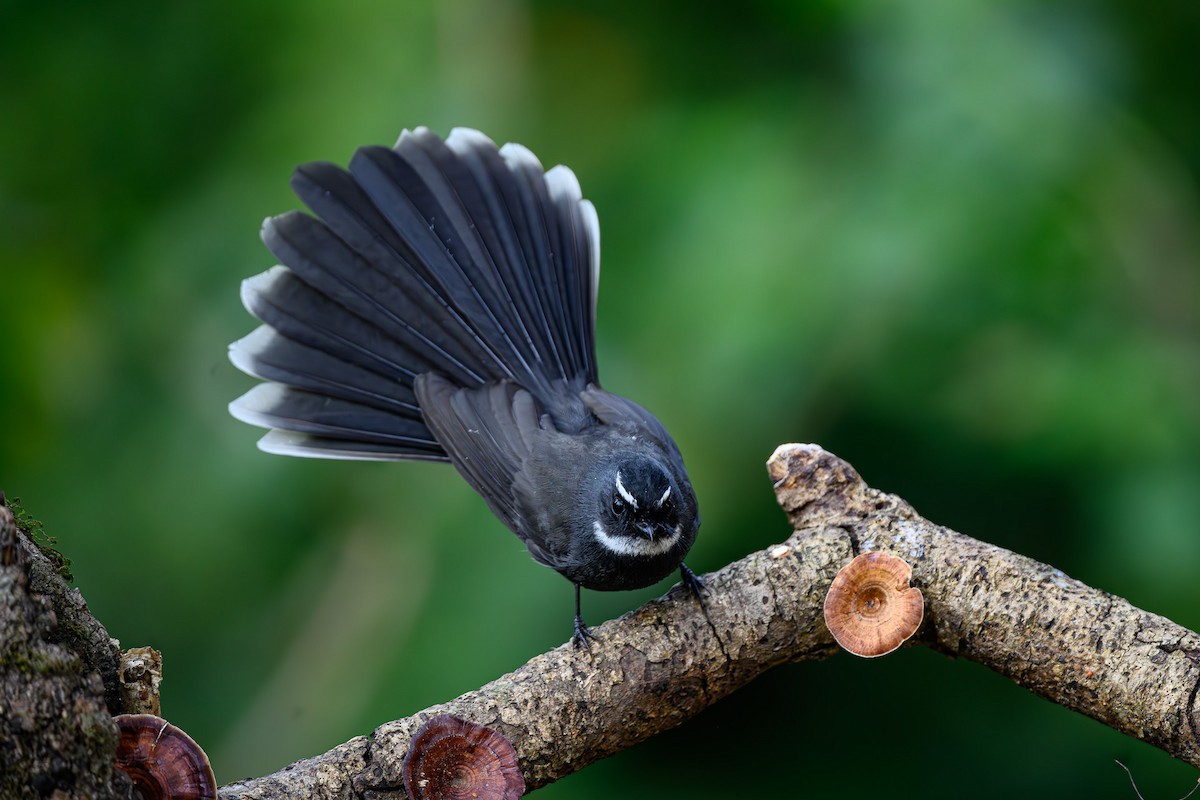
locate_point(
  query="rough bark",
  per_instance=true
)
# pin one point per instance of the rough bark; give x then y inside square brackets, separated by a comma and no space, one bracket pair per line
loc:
[665,662]
[57,737]
[1083,648]
[650,670]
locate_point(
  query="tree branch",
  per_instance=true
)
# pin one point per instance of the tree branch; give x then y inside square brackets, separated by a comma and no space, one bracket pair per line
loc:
[662,664]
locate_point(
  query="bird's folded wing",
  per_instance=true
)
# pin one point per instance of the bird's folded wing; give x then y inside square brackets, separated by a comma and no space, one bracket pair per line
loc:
[489,434]
[622,413]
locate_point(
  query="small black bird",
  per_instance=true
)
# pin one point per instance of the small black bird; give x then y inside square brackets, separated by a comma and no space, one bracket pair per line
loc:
[441,306]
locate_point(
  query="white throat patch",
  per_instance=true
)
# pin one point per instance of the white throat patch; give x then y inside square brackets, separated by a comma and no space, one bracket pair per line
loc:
[634,546]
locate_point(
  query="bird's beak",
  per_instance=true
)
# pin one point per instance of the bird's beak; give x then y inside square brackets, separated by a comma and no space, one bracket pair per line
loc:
[647,530]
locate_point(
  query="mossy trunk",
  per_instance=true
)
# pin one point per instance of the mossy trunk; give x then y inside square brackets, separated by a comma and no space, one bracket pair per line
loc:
[58,681]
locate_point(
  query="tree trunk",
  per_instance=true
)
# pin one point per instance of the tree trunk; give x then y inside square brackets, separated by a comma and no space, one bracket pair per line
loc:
[58,681]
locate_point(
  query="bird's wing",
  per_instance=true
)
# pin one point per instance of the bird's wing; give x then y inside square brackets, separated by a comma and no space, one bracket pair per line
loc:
[622,413]
[489,434]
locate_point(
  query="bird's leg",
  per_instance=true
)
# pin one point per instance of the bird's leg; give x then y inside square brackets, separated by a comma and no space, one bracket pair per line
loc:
[693,582]
[583,635]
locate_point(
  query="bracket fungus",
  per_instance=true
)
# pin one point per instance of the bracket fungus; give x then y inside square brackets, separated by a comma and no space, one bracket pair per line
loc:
[870,608]
[453,759]
[163,762]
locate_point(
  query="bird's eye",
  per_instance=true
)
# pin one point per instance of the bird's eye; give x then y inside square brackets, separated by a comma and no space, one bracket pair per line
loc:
[618,505]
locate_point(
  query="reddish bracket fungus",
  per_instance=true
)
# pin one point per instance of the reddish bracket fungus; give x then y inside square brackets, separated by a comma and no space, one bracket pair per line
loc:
[452,759]
[870,608]
[163,762]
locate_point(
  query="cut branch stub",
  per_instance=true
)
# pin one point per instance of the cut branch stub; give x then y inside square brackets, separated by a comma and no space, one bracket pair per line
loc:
[870,608]
[140,673]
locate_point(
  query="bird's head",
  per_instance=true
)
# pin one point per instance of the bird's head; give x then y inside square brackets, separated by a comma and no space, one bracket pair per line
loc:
[642,510]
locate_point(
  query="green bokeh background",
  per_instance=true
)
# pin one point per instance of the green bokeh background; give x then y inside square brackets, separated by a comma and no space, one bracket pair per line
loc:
[955,242]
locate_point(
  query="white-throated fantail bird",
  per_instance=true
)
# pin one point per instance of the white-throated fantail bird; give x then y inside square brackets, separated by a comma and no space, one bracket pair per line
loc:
[441,306]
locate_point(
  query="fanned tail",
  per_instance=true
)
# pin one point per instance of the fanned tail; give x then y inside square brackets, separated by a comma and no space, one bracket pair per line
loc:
[447,257]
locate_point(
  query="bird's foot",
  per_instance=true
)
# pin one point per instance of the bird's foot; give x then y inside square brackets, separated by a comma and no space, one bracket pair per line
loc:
[583,635]
[693,582]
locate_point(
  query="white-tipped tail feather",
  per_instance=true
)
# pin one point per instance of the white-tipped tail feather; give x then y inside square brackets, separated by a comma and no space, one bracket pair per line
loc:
[451,257]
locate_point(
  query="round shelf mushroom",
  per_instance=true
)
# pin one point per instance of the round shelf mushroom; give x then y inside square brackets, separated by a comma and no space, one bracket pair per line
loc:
[870,608]
[453,759]
[163,762]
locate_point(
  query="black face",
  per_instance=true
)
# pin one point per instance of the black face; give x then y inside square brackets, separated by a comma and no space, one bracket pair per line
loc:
[641,511]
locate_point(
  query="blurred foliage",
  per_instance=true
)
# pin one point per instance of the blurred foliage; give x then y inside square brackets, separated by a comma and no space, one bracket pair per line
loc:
[957,243]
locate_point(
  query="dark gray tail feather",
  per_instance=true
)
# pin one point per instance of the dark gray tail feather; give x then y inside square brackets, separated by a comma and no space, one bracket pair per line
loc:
[454,258]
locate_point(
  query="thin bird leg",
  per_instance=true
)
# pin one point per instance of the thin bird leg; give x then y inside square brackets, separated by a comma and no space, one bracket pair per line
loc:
[694,582]
[583,635]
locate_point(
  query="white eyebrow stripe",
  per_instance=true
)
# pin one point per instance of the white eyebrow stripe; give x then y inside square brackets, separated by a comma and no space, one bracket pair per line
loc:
[635,546]
[664,497]
[625,492]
